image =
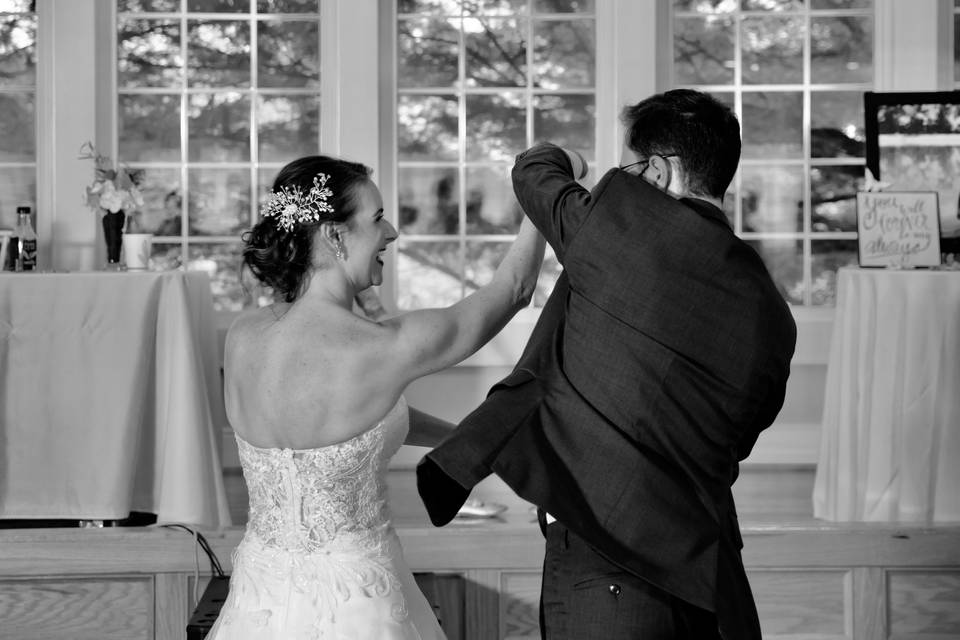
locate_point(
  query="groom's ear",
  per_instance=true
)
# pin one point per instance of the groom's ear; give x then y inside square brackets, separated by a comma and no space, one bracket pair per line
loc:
[660,172]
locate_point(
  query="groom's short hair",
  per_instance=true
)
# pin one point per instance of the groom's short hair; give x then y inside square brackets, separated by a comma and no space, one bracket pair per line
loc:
[700,130]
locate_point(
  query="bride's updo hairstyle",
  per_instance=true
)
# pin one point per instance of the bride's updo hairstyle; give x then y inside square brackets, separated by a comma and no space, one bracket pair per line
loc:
[280,258]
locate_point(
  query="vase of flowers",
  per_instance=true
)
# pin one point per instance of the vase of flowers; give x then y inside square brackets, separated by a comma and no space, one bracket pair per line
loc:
[113,193]
[112,222]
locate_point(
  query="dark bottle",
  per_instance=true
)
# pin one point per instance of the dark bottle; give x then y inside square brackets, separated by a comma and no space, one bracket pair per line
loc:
[11,254]
[27,245]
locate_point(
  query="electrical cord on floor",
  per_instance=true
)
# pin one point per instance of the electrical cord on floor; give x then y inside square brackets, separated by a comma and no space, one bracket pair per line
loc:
[200,543]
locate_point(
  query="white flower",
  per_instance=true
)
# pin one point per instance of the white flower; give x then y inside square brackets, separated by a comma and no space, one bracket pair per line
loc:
[111,189]
[110,198]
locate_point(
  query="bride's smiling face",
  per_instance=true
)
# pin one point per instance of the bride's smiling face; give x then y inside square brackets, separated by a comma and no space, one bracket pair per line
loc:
[369,234]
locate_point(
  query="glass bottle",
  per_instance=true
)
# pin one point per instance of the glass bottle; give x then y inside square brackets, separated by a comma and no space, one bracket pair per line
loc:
[10,251]
[27,241]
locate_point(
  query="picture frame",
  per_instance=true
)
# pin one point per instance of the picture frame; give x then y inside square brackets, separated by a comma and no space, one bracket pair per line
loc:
[913,144]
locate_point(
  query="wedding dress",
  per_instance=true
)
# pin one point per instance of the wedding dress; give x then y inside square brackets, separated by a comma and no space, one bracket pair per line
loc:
[320,558]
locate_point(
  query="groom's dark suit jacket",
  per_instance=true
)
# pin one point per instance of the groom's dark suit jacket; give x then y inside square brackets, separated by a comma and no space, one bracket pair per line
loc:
[660,356]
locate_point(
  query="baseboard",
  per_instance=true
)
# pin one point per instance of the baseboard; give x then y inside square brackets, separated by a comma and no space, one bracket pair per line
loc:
[795,443]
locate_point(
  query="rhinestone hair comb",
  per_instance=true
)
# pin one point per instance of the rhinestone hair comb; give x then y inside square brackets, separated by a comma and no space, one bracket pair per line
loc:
[290,206]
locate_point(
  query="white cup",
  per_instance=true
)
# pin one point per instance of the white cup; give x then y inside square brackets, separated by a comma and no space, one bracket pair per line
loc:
[136,250]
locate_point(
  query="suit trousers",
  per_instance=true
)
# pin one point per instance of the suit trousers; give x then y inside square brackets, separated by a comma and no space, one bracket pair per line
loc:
[584,596]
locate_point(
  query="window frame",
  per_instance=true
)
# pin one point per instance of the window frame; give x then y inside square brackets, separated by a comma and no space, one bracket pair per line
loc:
[624,73]
[948,70]
[71,46]
[40,104]
[251,92]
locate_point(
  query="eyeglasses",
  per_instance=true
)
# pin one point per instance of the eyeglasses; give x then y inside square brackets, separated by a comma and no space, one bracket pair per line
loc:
[646,161]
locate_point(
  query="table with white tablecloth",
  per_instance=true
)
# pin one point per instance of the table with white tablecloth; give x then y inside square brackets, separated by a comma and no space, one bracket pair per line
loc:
[110,397]
[890,440]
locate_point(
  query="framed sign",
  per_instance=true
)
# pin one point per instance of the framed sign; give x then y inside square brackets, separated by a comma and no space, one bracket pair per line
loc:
[898,228]
[913,144]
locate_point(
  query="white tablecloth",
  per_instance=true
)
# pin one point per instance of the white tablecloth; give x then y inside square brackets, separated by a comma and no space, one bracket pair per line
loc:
[110,397]
[890,444]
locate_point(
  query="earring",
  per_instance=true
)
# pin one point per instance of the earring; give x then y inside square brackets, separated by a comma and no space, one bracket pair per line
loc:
[339,252]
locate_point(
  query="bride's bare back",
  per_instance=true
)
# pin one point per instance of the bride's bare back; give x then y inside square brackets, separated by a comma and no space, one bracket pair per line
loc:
[303,377]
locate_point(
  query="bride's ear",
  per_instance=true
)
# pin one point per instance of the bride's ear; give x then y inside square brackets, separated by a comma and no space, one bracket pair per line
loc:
[331,235]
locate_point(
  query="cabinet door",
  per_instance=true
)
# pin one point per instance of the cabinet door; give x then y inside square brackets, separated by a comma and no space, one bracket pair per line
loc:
[103,607]
[445,593]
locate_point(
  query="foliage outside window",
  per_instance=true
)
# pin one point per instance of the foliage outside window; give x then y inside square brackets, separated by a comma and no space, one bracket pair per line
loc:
[213,97]
[211,117]
[18,90]
[795,71]
[478,81]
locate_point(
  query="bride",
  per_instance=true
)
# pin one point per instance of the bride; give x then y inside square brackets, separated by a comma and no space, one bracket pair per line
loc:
[313,391]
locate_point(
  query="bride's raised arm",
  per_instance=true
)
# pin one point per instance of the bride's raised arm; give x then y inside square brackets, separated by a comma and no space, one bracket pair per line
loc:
[429,340]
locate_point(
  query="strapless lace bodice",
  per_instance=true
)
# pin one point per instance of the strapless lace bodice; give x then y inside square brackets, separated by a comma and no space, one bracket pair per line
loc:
[323,499]
[320,559]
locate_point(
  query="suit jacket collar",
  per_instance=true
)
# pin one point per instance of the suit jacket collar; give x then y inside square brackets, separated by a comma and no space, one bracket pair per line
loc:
[707,210]
[702,207]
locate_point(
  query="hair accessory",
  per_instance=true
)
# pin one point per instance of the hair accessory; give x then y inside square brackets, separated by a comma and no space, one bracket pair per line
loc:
[291,207]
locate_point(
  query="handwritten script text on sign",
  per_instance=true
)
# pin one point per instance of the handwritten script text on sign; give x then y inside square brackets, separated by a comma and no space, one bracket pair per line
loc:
[898,228]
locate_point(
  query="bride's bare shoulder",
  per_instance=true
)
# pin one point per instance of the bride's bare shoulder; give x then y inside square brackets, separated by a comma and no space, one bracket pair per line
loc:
[259,316]
[250,325]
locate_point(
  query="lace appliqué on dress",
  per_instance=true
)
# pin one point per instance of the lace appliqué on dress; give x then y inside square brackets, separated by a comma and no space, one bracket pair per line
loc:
[319,524]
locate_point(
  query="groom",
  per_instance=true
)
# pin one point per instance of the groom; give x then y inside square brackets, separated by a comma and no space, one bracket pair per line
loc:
[660,356]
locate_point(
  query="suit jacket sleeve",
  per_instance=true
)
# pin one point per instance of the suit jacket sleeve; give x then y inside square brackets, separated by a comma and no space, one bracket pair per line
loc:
[447,474]
[550,196]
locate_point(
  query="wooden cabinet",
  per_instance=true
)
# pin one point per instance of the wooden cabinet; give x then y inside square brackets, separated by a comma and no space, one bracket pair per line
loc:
[109,607]
[812,582]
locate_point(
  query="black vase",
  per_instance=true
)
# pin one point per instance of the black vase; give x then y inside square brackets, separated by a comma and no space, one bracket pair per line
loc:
[113,234]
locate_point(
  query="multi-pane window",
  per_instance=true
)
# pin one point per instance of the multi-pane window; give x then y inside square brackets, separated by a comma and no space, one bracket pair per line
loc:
[18,89]
[213,97]
[795,71]
[478,81]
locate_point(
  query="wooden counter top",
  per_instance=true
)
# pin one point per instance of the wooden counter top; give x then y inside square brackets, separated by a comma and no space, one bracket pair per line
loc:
[513,541]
